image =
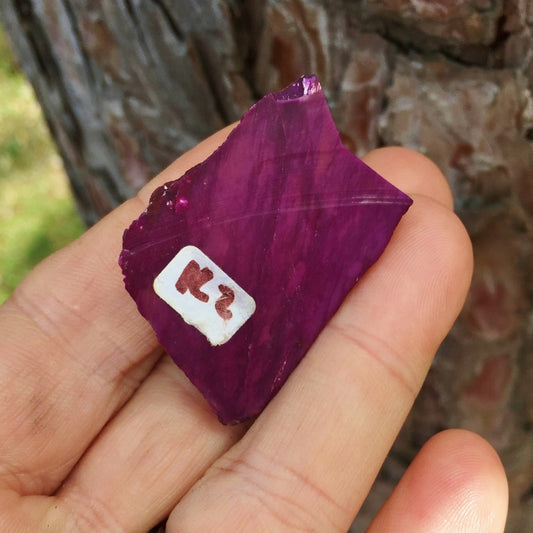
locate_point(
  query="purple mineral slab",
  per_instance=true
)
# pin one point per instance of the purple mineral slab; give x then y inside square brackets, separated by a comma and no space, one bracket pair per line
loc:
[252,251]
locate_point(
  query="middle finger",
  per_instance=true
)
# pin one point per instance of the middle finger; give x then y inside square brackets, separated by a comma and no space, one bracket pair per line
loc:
[147,458]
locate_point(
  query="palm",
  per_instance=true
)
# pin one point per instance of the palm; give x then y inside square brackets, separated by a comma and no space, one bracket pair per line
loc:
[100,431]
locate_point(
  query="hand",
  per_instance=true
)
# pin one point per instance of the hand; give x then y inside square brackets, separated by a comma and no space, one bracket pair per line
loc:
[100,431]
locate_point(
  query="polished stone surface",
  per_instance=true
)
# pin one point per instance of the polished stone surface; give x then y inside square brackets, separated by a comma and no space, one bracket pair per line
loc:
[286,212]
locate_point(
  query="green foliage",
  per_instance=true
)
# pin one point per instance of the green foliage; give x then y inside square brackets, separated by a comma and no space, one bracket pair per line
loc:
[37,211]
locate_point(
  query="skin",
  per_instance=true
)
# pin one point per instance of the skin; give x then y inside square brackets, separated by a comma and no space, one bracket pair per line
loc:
[100,431]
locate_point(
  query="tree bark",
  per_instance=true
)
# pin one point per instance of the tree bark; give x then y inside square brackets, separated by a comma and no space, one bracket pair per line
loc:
[127,86]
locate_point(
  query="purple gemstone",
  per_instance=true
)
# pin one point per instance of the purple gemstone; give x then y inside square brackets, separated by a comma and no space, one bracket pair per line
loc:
[253,250]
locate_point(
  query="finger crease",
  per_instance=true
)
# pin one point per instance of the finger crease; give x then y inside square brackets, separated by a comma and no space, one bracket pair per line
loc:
[89,512]
[380,351]
[264,481]
[47,327]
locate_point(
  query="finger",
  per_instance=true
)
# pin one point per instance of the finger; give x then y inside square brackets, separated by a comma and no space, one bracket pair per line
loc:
[146,428]
[398,162]
[74,349]
[456,484]
[311,457]
[147,458]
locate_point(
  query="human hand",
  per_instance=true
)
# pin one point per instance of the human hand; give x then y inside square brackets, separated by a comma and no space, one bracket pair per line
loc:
[100,431]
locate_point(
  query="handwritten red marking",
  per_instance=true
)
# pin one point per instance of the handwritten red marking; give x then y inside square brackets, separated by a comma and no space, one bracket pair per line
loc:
[192,278]
[224,301]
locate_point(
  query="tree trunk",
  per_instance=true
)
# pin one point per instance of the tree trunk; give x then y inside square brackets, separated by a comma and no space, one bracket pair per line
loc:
[127,86]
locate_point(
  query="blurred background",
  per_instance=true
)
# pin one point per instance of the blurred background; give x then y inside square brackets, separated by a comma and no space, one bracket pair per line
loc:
[37,210]
[127,86]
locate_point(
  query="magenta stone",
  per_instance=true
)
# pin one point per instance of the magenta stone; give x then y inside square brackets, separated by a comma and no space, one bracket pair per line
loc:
[291,216]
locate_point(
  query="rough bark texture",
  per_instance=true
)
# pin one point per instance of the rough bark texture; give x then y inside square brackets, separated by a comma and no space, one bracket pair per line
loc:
[127,86]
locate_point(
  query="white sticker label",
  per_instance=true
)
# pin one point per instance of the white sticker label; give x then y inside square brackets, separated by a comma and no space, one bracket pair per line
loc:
[204,295]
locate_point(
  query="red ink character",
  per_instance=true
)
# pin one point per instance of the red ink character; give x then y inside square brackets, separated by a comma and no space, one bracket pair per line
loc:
[192,278]
[224,301]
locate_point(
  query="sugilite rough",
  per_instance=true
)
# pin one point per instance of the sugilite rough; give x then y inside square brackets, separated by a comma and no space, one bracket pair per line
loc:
[289,215]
